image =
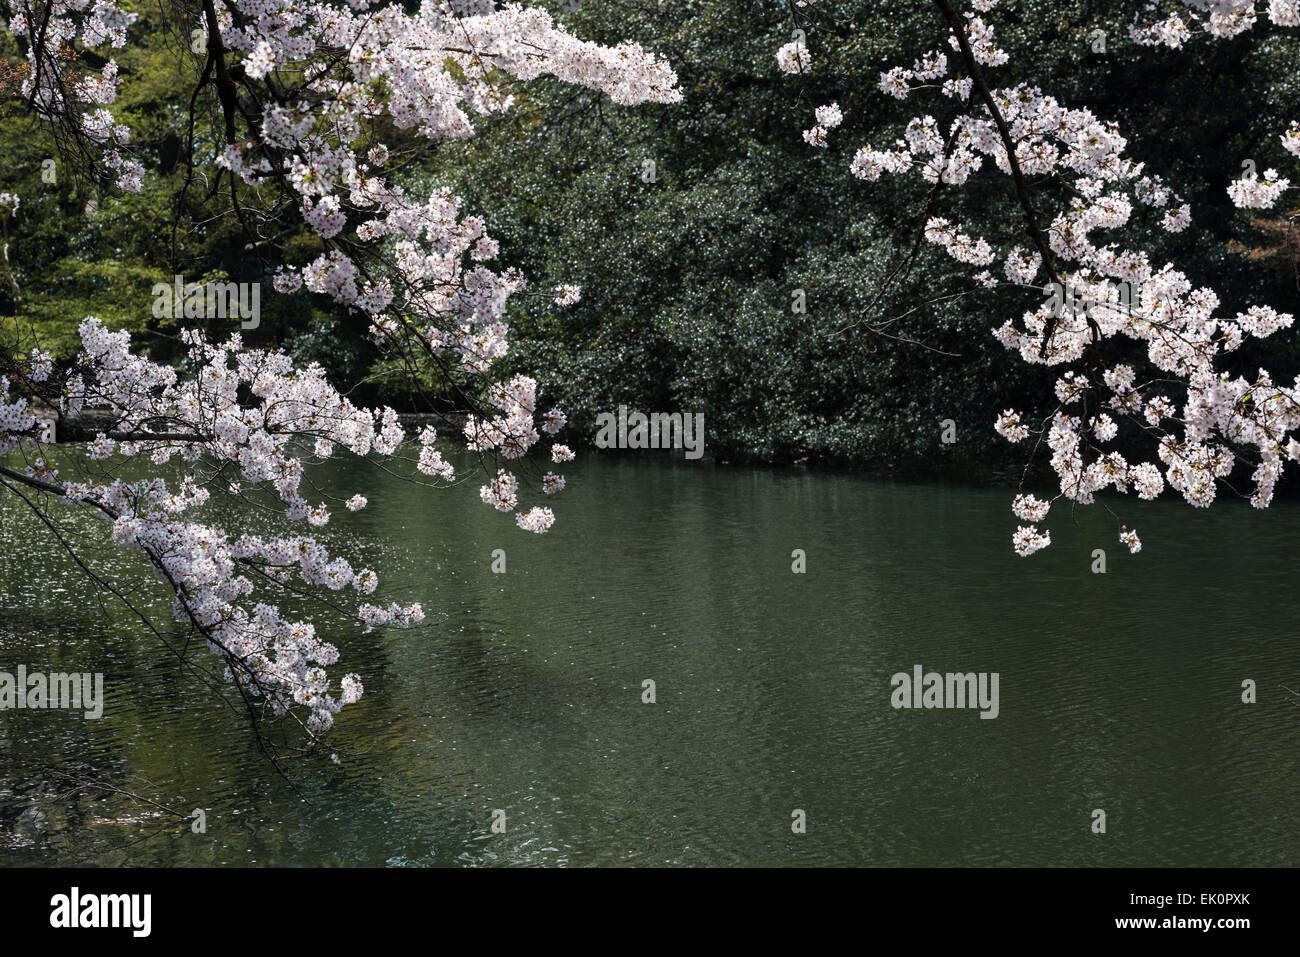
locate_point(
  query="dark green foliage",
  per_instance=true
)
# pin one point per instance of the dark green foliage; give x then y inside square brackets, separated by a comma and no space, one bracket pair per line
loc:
[688,280]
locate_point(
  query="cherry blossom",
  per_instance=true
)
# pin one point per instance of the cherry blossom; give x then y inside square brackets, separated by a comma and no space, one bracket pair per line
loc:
[1104,289]
[301,88]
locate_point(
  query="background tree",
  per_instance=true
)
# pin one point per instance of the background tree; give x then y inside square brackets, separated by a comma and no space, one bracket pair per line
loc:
[688,281]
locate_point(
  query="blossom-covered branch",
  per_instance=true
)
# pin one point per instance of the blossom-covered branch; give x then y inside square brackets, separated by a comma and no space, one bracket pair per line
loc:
[1168,384]
[315,102]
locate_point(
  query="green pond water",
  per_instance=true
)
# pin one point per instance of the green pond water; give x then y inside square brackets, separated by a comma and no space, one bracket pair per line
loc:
[522,692]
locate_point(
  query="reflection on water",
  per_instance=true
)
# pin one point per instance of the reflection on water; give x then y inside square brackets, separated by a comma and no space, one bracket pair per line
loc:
[522,692]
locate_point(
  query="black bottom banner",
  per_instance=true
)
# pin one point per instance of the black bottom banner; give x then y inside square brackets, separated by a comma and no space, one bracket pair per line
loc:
[274,906]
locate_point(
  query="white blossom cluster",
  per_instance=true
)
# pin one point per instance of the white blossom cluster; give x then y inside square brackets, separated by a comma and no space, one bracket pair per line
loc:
[1179,328]
[244,412]
[356,66]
